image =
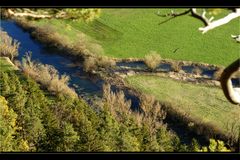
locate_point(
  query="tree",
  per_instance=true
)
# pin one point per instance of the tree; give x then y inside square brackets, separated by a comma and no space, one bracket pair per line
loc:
[7,126]
[214,146]
[4,85]
[8,129]
[58,13]
[201,15]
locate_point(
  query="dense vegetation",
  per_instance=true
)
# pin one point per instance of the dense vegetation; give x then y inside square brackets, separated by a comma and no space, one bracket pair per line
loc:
[39,112]
[42,122]
[203,104]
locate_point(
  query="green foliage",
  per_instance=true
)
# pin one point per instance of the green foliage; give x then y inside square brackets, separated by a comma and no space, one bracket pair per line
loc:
[85,14]
[7,126]
[132,33]
[201,104]
[59,123]
[144,130]
[214,146]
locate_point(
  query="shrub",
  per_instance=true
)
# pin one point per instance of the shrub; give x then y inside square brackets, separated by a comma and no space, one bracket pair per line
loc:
[48,76]
[214,146]
[105,62]
[217,74]
[197,71]
[92,63]
[175,66]
[8,46]
[81,44]
[89,64]
[116,103]
[152,60]
[153,112]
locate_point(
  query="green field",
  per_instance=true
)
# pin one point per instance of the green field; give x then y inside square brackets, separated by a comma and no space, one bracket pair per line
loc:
[204,103]
[5,65]
[125,33]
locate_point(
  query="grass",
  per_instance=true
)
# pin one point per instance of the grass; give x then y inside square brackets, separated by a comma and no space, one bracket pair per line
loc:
[201,102]
[5,65]
[125,33]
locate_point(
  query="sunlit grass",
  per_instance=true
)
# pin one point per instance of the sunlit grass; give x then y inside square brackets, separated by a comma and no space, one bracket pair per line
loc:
[125,33]
[201,102]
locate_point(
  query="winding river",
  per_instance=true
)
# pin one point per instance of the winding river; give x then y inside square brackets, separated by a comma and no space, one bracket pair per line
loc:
[87,87]
[79,80]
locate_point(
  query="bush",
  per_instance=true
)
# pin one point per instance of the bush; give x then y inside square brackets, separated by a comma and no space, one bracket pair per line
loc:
[48,76]
[152,60]
[175,66]
[8,46]
[197,71]
[105,62]
[92,63]
[89,64]
[214,146]
[118,106]
[217,74]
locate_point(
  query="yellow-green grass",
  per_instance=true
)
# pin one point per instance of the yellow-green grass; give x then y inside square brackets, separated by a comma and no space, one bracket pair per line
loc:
[126,33]
[200,102]
[6,65]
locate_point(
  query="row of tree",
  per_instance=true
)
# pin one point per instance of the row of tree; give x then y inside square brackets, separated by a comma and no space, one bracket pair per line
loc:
[34,120]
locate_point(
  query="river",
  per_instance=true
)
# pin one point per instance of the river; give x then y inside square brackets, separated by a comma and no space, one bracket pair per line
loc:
[86,87]
[79,80]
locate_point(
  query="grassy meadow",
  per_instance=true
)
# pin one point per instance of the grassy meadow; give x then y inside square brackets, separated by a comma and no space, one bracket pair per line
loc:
[125,33]
[204,103]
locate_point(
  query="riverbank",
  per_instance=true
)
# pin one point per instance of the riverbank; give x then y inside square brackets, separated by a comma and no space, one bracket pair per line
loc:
[110,78]
[99,61]
[179,114]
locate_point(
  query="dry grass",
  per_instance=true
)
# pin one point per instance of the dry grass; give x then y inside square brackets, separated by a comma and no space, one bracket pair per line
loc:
[150,120]
[48,76]
[153,112]
[116,103]
[217,74]
[197,71]
[89,64]
[205,106]
[152,115]
[175,66]
[152,60]
[105,62]
[94,62]
[79,44]
[8,46]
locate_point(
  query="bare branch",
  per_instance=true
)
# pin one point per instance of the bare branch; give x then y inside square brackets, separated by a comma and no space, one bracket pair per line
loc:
[220,22]
[209,23]
[172,15]
[202,16]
